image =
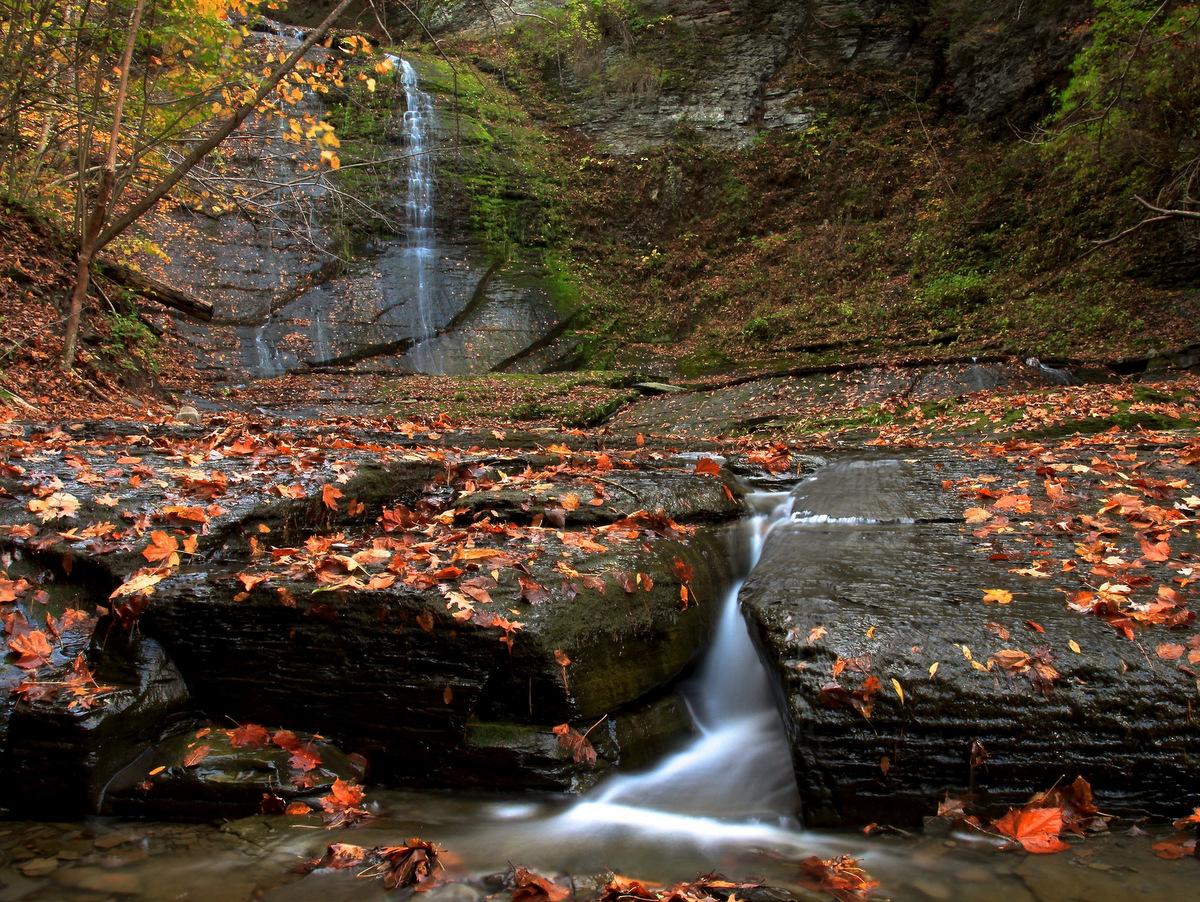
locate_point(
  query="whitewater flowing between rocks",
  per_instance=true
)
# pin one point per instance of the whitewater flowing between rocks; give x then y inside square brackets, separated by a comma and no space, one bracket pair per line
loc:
[726,802]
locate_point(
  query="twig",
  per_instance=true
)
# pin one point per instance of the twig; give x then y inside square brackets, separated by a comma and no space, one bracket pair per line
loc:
[596,724]
[10,395]
[636,497]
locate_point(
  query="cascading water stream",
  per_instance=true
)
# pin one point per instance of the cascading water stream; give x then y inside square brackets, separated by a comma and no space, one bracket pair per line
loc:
[418,208]
[739,767]
[731,788]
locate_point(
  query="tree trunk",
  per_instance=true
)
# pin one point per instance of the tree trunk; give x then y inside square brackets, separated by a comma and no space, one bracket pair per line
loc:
[161,292]
[95,222]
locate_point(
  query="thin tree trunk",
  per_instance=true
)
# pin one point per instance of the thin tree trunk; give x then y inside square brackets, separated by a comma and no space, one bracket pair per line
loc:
[222,132]
[89,248]
[95,222]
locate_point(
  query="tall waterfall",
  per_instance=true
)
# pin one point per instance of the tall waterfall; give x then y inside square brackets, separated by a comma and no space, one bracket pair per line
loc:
[420,244]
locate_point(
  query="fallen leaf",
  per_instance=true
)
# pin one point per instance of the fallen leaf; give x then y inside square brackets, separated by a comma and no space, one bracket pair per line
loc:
[196,755]
[1036,829]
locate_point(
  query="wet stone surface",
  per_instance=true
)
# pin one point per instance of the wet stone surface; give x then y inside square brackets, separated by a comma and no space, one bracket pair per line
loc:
[900,674]
[435,610]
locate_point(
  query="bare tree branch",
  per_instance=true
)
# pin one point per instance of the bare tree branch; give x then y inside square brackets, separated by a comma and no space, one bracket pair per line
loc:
[1168,213]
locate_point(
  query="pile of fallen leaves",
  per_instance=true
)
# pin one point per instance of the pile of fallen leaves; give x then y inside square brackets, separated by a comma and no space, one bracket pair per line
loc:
[36,276]
[1115,513]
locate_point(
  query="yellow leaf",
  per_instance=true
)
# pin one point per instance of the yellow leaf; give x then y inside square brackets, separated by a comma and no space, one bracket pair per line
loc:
[933,669]
[1000,596]
[330,159]
[899,689]
[157,770]
[1074,646]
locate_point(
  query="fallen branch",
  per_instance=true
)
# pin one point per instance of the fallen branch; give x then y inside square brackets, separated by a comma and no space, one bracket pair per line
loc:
[157,291]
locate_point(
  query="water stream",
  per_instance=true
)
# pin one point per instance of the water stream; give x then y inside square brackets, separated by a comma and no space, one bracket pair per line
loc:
[418,210]
[726,802]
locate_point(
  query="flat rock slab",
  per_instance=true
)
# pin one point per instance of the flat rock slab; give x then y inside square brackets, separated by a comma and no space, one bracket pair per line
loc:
[899,678]
[434,609]
[735,408]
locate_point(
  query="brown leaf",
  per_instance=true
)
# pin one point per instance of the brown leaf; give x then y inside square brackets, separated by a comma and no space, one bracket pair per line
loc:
[196,755]
[576,743]
[625,580]
[841,877]
[412,864]
[532,592]
[533,887]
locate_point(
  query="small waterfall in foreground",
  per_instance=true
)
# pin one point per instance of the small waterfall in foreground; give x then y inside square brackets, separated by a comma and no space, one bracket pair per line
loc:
[739,767]
[418,134]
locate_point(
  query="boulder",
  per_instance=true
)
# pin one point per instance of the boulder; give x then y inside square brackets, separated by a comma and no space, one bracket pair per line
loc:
[65,749]
[900,684]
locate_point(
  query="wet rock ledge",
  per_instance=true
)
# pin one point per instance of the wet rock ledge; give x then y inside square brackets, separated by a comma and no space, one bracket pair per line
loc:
[985,628]
[433,612]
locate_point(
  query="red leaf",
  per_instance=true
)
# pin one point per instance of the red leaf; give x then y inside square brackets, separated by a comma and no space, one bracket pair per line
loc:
[249,734]
[706,466]
[683,571]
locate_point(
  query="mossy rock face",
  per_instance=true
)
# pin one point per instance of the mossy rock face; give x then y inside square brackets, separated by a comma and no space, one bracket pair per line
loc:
[527,756]
[392,675]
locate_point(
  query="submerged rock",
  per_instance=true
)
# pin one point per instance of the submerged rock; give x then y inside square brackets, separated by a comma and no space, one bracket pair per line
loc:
[203,775]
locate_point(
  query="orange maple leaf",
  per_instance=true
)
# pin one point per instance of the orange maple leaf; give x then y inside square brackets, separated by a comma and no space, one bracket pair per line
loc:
[1036,829]
[329,496]
[33,647]
[162,549]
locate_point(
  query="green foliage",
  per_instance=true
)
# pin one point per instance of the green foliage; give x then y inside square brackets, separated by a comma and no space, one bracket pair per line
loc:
[129,341]
[574,35]
[1131,112]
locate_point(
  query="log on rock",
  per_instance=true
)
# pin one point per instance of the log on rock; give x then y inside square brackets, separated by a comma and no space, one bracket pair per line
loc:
[155,290]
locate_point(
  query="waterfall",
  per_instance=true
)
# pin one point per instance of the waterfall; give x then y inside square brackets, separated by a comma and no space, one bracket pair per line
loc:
[739,767]
[418,133]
